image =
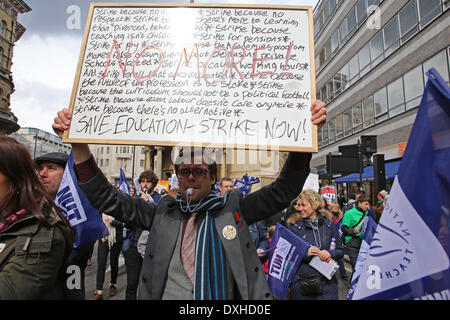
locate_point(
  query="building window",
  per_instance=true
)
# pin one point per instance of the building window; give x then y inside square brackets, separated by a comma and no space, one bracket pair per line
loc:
[446,4]
[380,104]
[428,10]
[3,28]
[361,8]
[339,127]
[364,59]
[107,162]
[332,4]
[395,97]
[372,3]
[391,36]
[331,130]
[323,93]
[408,21]
[316,28]
[439,63]
[334,41]
[343,31]
[368,112]
[357,117]
[376,48]
[325,134]
[353,69]
[319,137]
[141,163]
[1,56]
[337,84]
[330,90]
[351,21]
[348,125]
[413,81]
[345,77]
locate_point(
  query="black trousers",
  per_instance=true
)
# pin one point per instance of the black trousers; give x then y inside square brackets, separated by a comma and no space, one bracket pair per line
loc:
[353,255]
[133,263]
[102,255]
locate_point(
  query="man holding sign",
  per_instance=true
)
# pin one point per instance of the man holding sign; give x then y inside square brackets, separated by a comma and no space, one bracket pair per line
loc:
[199,246]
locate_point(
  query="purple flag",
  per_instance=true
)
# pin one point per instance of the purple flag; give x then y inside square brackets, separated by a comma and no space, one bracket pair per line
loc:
[286,252]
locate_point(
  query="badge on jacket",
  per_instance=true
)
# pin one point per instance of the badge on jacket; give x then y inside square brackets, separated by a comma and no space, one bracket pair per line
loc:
[229,232]
[2,246]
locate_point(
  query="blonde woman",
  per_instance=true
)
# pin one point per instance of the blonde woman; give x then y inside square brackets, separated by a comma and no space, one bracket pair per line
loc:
[309,224]
[336,212]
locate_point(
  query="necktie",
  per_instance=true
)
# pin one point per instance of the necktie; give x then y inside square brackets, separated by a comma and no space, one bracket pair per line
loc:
[188,247]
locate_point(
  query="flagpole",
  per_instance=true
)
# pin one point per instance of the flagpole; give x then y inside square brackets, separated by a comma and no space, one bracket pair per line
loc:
[132,167]
[360,164]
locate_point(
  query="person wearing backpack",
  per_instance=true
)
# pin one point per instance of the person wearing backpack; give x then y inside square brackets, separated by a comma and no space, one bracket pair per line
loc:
[351,227]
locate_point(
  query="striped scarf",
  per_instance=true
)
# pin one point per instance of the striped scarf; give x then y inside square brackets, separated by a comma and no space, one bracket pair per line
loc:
[210,277]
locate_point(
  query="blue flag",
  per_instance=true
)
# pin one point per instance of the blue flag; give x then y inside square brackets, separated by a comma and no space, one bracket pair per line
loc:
[286,251]
[368,229]
[123,183]
[410,259]
[85,219]
[245,185]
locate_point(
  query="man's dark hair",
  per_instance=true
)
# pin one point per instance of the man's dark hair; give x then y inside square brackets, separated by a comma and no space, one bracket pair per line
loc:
[351,196]
[363,197]
[225,179]
[150,176]
[187,154]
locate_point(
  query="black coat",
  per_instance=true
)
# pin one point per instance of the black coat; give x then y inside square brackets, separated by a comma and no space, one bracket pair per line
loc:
[322,239]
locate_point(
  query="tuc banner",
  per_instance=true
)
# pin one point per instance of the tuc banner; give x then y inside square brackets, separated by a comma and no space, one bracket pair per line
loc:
[185,74]
[286,251]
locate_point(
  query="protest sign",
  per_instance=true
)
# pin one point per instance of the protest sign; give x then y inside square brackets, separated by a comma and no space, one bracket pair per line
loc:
[312,182]
[191,74]
[328,193]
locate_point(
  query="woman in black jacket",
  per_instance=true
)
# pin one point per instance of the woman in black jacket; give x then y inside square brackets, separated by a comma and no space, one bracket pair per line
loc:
[310,225]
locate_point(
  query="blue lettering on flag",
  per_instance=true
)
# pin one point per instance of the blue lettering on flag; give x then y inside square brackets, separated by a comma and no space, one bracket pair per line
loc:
[81,215]
[69,202]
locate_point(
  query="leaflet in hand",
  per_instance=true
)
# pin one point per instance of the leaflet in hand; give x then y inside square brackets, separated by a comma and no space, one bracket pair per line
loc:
[328,269]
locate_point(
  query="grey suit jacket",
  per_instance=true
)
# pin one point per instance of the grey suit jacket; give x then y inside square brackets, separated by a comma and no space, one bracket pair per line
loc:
[163,222]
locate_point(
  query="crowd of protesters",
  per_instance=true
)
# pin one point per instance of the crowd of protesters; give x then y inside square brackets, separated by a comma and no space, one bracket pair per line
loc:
[163,262]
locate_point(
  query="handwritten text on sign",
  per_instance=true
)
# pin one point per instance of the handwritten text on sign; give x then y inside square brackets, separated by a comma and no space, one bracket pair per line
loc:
[237,76]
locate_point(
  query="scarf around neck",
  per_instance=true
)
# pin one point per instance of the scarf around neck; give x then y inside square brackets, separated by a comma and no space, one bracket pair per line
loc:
[210,277]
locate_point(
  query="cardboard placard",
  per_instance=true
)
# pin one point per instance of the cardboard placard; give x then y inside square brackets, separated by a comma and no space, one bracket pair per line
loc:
[184,74]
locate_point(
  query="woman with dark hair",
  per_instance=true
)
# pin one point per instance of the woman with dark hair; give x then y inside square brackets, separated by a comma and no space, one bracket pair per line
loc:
[35,238]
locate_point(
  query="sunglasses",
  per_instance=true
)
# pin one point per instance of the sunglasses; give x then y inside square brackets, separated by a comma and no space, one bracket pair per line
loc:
[196,173]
